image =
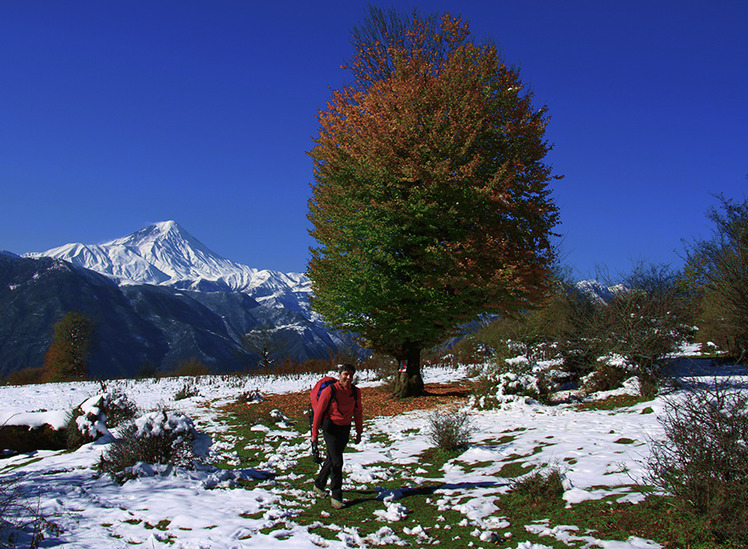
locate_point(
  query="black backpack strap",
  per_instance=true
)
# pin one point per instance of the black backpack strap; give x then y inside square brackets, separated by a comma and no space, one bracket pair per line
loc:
[332,397]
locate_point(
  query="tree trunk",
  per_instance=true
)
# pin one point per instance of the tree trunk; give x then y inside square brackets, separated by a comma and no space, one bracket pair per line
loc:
[408,381]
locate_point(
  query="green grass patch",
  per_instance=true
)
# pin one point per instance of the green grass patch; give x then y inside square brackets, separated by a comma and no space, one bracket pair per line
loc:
[539,497]
[613,402]
[162,525]
[506,439]
[515,469]
[535,496]
[624,440]
[433,459]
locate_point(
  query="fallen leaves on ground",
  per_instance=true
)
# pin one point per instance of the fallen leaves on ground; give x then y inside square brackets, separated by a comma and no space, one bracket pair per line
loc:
[377,401]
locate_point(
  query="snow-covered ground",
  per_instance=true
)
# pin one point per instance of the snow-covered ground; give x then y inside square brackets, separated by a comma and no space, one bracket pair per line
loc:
[202,508]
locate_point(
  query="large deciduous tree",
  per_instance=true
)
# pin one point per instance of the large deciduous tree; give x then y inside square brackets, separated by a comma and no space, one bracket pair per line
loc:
[431,203]
[67,356]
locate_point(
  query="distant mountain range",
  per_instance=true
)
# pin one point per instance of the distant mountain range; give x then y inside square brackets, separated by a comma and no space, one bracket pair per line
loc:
[158,297]
[165,254]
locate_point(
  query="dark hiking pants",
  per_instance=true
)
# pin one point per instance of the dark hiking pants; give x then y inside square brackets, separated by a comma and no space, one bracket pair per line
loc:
[336,439]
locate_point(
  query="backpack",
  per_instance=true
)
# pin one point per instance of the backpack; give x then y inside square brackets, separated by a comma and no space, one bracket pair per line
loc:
[316,391]
[321,385]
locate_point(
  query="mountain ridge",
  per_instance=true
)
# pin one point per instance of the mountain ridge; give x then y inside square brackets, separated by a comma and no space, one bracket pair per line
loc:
[157,296]
[166,254]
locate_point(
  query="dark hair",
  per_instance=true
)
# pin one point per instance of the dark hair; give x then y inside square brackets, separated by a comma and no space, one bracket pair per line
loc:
[347,368]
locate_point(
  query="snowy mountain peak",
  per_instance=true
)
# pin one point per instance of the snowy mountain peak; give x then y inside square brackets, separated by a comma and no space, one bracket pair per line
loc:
[166,254]
[163,234]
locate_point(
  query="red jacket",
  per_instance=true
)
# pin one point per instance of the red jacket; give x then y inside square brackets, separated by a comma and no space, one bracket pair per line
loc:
[344,408]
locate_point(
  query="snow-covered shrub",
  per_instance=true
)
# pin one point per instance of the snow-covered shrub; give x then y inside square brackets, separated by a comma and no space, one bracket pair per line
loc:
[703,459]
[515,378]
[162,437]
[611,374]
[247,397]
[187,391]
[450,429]
[119,408]
[96,415]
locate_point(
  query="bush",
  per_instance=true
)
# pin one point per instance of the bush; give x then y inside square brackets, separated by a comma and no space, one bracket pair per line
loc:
[157,438]
[511,379]
[450,429]
[24,438]
[649,320]
[649,317]
[21,524]
[606,378]
[703,459]
[187,391]
[542,486]
[96,415]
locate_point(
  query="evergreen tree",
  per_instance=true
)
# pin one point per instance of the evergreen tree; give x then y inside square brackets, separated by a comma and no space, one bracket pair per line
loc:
[431,203]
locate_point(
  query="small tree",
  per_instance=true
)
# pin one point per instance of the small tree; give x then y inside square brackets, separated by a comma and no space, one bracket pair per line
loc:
[647,320]
[263,342]
[718,270]
[431,203]
[67,356]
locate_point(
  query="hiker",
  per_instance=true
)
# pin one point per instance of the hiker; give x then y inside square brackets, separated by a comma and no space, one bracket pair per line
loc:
[338,405]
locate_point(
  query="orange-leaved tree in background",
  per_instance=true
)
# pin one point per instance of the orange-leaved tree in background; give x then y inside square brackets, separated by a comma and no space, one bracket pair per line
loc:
[66,358]
[431,203]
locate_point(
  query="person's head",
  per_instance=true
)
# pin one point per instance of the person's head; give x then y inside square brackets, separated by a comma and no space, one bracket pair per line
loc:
[346,373]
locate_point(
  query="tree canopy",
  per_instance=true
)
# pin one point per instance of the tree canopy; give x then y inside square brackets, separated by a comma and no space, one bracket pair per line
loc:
[431,203]
[67,356]
[717,268]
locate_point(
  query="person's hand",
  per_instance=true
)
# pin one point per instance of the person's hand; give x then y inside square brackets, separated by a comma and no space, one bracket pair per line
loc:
[358,438]
[314,439]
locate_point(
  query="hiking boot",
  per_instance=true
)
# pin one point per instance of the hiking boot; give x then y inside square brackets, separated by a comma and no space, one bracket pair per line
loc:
[319,491]
[336,503]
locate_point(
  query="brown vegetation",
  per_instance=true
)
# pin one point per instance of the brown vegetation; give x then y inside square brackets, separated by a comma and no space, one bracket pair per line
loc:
[377,401]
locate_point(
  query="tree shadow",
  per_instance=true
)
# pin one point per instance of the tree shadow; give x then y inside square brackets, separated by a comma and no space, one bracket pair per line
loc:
[410,491]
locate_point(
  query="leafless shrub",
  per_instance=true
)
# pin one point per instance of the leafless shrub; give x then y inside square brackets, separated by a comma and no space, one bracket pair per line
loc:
[450,429]
[21,524]
[542,485]
[107,409]
[703,459]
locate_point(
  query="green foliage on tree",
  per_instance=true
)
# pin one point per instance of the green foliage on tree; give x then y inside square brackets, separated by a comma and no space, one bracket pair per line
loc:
[67,356]
[717,269]
[431,203]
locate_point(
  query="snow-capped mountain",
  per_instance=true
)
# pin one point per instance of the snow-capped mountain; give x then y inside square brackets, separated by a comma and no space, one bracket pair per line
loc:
[166,254]
[160,297]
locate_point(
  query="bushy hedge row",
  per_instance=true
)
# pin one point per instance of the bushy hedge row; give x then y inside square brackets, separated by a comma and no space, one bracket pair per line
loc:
[589,340]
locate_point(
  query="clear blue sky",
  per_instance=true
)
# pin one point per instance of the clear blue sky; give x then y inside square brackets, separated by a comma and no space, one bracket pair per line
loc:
[114,115]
